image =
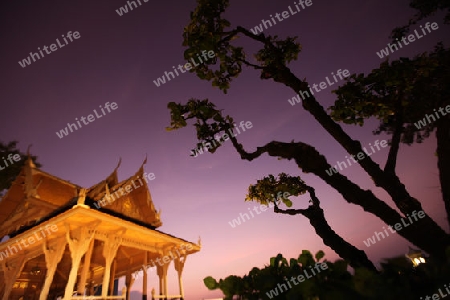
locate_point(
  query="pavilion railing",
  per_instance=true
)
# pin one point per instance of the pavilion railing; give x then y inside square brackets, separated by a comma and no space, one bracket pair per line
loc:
[165,297]
[119,297]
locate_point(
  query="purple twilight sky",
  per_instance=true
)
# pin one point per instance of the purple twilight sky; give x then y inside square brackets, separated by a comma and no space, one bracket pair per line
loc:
[117,58]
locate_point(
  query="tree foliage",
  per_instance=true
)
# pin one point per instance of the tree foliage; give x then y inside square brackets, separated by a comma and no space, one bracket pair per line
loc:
[269,188]
[208,30]
[424,9]
[398,93]
[258,282]
[277,190]
[397,280]
[10,173]
[393,93]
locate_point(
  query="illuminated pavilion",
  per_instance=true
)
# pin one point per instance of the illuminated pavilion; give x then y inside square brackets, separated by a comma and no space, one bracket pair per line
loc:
[62,241]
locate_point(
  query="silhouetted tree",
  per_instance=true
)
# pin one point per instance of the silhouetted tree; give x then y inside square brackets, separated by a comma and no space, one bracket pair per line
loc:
[208,30]
[10,172]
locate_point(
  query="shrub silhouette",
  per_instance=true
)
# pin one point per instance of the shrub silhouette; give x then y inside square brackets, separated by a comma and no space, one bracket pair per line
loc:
[397,279]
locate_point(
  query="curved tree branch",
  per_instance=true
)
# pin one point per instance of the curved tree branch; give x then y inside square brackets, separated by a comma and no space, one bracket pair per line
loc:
[356,258]
[311,161]
[205,31]
[390,182]
[443,150]
[396,138]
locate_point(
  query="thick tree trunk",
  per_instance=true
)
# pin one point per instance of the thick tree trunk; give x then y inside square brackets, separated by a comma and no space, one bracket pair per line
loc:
[443,154]
[429,232]
[311,161]
[414,232]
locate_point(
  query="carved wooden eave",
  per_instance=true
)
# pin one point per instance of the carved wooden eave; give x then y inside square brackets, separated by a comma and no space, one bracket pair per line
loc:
[96,244]
[111,180]
[136,204]
[136,244]
[32,195]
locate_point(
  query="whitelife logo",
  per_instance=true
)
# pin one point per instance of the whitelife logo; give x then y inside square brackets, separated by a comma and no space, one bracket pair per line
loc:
[437,296]
[40,234]
[274,292]
[53,48]
[284,15]
[236,222]
[11,157]
[224,138]
[397,226]
[411,38]
[359,156]
[124,9]
[423,122]
[108,199]
[319,87]
[165,259]
[183,68]
[90,118]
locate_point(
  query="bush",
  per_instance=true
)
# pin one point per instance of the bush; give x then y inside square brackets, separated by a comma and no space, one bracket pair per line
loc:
[398,279]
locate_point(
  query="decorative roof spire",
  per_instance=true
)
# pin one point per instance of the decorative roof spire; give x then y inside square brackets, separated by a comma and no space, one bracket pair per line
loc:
[140,172]
[29,161]
[118,164]
[81,196]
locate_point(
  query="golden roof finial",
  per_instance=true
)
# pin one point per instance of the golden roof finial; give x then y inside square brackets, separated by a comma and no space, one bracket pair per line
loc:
[81,196]
[118,164]
[29,159]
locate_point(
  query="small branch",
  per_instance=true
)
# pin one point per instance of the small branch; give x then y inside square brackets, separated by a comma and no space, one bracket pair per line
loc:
[396,138]
[393,151]
[229,36]
[278,210]
[311,161]
[312,193]
[356,257]
[305,212]
[258,67]
[260,38]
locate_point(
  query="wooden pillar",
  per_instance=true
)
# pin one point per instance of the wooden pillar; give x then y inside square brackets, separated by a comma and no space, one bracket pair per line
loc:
[144,281]
[53,254]
[179,266]
[129,280]
[153,293]
[11,270]
[113,275]
[2,287]
[162,274]
[78,247]
[91,284]
[124,291]
[86,266]
[109,252]
[161,279]
[166,282]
